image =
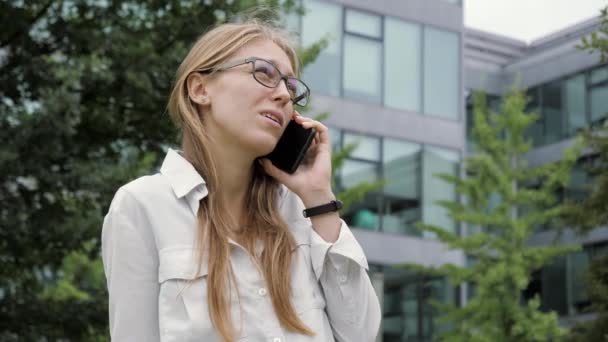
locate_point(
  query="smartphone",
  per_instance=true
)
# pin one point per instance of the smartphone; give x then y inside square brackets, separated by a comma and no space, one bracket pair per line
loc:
[292,146]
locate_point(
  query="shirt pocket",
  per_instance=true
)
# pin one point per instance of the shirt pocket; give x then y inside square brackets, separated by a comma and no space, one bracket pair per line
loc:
[183,306]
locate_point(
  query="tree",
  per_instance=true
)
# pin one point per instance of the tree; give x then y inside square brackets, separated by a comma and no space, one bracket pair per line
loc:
[598,41]
[597,291]
[83,85]
[592,212]
[498,233]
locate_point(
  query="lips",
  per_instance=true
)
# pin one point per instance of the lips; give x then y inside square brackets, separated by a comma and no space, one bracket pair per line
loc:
[274,116]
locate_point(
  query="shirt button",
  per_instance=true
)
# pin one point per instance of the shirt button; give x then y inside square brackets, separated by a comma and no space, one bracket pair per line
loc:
[342,279]
[262,292]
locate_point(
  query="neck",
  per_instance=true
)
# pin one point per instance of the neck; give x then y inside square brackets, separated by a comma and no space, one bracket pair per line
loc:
[234,168]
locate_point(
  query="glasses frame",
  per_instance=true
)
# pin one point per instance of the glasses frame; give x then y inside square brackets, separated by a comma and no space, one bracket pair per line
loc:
[252,60]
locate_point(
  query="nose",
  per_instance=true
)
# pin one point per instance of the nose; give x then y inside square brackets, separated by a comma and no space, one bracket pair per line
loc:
[281,94]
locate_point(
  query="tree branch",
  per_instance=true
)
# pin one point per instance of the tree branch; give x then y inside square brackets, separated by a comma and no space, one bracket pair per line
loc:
[31,23]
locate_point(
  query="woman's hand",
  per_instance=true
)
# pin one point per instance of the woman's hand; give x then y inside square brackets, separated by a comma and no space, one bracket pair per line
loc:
[312,180]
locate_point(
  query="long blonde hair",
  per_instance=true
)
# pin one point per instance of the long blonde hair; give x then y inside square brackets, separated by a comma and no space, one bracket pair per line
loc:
[264,223]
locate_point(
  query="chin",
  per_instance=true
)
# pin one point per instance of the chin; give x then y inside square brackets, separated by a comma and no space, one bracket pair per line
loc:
[264,146]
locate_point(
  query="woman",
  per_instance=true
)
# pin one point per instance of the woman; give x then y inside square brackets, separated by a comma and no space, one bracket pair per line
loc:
[215,247]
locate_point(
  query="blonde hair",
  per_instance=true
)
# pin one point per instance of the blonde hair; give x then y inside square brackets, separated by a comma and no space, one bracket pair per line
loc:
[262,216]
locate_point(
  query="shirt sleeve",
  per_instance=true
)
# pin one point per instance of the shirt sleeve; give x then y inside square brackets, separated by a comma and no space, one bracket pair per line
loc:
[341,267]
[130,263]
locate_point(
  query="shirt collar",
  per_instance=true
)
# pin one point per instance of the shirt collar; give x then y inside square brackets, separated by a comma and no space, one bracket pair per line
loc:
[182,176]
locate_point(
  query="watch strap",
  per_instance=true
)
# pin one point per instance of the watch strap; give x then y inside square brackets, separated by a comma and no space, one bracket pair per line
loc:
[322,209]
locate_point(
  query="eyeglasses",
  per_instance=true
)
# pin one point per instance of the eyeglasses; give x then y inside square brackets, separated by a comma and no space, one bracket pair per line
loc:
[268,75]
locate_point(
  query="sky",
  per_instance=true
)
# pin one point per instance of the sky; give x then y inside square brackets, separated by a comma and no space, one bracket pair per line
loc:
[528,19]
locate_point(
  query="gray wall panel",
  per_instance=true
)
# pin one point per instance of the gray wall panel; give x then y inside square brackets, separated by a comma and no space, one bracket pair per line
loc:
[434,12]
[490,82]
[390,249]
[377,120]
[551,64]
[548,153]
[569,237]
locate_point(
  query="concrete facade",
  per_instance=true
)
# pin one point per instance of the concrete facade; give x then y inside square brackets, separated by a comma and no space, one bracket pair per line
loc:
[411,126]
[487,62]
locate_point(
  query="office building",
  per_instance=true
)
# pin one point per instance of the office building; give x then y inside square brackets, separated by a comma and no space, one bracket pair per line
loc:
[396,77]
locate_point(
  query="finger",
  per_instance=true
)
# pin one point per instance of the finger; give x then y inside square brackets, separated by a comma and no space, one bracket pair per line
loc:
[300,119]
[322,130]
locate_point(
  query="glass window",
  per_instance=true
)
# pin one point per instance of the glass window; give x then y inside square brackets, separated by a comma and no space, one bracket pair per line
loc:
[408,313]
[575,103]
[599,75]
[437,161]
[335,136]
[578,264]
[535,130]
[599,103]
[580,183]
[441,73]
[554,295]
[363,23]
[553,111]
[363,166]
[402,59]
[362,77]
[401,165]
[363,214]
[367,147]
[355,172]
[323,19]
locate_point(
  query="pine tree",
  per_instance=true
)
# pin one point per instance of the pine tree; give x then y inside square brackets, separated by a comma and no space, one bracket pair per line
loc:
[598,41]
[498,232]
[593,211]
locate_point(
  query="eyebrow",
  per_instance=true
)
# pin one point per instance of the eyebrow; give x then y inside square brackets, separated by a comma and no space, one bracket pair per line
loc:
[290,74]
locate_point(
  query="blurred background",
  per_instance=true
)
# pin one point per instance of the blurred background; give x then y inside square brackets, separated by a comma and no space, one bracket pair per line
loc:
[83,90]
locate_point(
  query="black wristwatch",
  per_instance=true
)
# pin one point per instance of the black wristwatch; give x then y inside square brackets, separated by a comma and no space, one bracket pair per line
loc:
[322,209]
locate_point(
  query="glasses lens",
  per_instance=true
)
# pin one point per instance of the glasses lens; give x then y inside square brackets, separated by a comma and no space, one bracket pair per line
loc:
[298,90]
[266,73]
[269,75]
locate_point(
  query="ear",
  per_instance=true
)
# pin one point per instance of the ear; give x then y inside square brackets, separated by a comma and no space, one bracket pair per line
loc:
[197,89]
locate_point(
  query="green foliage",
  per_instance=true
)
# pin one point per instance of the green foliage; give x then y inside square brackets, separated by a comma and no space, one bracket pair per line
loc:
[598,41]
[78,272]
[498,233]
[310,53]
[356,193]
[83,87]
[597,289]
[593,211]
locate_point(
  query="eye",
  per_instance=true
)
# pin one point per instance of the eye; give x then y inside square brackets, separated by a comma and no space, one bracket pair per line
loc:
[265,69]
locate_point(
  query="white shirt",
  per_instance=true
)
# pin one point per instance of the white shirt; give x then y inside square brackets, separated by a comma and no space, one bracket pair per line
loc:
[155,293]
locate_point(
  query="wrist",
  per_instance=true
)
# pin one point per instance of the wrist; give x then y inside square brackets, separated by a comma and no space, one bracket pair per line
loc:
[316,198]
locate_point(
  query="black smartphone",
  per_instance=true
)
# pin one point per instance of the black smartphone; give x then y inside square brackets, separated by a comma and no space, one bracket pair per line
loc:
[292,146]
